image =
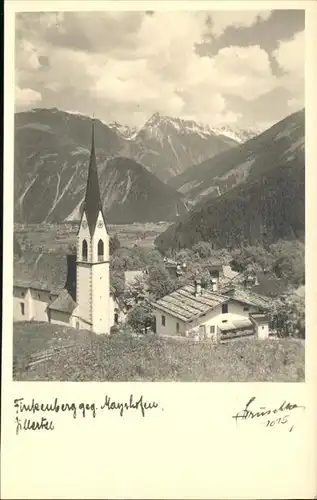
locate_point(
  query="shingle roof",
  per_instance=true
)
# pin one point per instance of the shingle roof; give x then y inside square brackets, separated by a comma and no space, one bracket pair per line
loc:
[63,303]
[258,317]
[92,204]
[45,271]
[248,297]
[183,303]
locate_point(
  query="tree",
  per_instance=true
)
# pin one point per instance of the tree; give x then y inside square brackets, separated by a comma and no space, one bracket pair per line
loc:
[117,282]
[287,316]
[114,244]
[72,249]
[289,261]
[159,282]
[291,268]
[204,249]
[251,258]
[142,317]
[136,291]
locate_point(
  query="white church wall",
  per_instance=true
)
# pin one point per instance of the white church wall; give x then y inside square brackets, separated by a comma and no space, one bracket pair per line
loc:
[100,234]
[79,323]
[115,309]
[83,234]
[83,290]
[101,314]
[22,305]
[40,300]
[102,317]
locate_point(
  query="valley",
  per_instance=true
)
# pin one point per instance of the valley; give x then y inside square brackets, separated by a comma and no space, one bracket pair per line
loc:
[59,238]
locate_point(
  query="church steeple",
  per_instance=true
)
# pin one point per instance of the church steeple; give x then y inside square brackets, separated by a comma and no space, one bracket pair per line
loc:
[92,203]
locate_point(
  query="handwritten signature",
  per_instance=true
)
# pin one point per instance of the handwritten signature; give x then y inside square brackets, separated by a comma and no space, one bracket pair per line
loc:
[249,412]
[82,409]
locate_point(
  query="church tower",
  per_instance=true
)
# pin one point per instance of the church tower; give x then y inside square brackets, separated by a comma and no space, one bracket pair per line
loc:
[93,273]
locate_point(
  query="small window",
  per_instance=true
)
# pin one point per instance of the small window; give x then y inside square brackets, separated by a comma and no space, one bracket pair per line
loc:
[163,320]
[22,308]
[212,329]
[116,318]
[224,308]
[177,327]
[100,250]
[84,250]
[77,325]
[38,295]
[22,294]
[246,308]
[224,321]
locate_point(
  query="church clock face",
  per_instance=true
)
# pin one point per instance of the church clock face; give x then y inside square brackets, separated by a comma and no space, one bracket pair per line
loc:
[84,224]
[100,223]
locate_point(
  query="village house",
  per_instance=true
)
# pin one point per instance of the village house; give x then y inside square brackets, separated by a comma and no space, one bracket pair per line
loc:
[194,311]
[75,289]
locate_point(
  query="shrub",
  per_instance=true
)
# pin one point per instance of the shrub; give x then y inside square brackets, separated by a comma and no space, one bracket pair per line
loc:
[114,244]
[142,317]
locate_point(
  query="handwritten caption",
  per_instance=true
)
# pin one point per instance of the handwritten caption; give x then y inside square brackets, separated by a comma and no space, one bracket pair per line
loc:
[269,417]
[81,410]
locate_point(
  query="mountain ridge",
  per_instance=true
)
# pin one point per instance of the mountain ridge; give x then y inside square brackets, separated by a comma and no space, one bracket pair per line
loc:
[165,153]
[50,173]
[232,167]
[267,205]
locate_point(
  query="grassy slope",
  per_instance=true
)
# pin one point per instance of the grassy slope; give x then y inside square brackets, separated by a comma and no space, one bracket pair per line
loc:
[154,359]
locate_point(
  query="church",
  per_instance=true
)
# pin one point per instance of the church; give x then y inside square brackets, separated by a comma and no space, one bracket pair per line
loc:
[71,289]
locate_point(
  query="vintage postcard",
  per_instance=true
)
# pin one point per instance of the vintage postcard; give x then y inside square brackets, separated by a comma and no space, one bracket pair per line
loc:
[159,291]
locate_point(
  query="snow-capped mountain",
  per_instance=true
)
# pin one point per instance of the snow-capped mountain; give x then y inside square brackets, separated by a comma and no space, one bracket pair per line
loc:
[281,144]
[247,196]
[52,151]
[168,146]
[156,124]
[165,146]
[124,131]
[236,134]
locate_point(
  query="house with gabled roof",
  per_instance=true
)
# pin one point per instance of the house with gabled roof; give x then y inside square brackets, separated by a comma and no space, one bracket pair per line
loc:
[193,309]
[73,289]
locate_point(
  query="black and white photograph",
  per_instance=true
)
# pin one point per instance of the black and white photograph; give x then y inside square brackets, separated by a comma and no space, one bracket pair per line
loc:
[159,196]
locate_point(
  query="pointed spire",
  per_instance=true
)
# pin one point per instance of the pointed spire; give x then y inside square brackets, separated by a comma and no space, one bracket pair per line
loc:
[92,204]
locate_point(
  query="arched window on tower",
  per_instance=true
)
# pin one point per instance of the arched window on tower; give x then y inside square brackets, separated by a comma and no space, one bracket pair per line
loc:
[84,250]
[100,250]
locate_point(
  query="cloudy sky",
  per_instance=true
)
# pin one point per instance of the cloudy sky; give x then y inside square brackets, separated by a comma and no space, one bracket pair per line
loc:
[220,67]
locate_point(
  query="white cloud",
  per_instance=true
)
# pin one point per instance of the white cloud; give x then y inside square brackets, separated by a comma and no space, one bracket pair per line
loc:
[290,55]
[126,66]
[25,98]
[222,20]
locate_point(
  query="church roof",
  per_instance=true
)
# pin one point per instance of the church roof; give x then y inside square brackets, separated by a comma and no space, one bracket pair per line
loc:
[92,204]
[47,271]
[44,271]
[63,303]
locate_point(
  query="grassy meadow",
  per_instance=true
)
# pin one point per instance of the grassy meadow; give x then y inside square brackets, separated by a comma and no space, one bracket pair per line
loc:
[150,358]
